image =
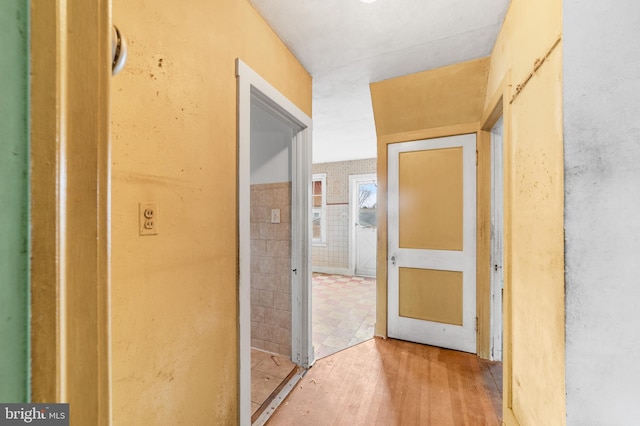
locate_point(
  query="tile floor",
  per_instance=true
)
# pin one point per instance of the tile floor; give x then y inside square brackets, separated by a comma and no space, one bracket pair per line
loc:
[268,371]
[344,312]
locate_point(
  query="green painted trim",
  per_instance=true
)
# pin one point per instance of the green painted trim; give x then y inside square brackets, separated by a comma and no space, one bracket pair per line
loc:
[14,203]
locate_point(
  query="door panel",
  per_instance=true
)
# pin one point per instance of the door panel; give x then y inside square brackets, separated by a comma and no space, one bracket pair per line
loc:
[430,185]
[431,295]
[431,270]
[365,251]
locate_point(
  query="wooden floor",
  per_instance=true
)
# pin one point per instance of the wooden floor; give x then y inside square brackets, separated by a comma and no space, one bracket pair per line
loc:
[392,382]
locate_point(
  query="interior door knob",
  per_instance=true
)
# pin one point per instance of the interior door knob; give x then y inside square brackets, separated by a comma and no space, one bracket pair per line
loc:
[393,260]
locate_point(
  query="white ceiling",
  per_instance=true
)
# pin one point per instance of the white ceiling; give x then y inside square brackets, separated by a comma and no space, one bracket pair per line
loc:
[346,44]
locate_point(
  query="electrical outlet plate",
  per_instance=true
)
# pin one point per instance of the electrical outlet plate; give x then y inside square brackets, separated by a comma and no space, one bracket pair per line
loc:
[275,215]
[148,218]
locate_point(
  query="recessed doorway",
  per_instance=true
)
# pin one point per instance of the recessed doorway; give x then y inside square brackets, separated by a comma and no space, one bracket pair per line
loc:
[344,254]
[497,232]
[274,159]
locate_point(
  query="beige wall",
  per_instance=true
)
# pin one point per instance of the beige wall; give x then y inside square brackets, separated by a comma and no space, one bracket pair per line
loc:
[174,295]
[534,282]
[338,177]
[271,268]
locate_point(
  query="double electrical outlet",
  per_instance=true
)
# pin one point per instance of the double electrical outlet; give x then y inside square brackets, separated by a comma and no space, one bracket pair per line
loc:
[148,218]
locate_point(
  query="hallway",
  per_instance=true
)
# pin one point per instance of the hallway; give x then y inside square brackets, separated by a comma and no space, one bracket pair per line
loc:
[392,382]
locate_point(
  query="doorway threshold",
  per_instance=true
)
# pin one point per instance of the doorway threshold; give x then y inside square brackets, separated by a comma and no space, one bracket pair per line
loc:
[289,383]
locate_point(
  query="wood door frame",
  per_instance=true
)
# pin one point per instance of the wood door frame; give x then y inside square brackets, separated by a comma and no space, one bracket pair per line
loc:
[497,222]
[498,106]
[353,210]
[252,87]
[71,206]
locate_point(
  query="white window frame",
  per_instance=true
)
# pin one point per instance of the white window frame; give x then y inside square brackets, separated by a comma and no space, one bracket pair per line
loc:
[322,210]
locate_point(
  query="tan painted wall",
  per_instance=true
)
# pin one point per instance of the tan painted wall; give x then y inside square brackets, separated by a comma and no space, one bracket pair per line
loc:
[174,296]
[441,102]
[428,104]
[442,97]
[534,247]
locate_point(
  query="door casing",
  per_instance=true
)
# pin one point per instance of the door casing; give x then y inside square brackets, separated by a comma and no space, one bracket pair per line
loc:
[455,337]
[253,88]
[70,131]
[497,232]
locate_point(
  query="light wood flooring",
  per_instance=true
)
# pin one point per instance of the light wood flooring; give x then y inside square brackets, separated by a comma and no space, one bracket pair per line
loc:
[392,382]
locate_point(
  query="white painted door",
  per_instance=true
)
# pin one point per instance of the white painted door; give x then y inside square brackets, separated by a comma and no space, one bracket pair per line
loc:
[365,222]
[432,242]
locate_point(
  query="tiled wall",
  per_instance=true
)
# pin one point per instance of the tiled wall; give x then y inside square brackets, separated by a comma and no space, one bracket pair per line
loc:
[334,256]
[338,177]
[270,268]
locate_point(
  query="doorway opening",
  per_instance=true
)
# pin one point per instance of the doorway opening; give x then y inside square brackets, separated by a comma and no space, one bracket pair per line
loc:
[274,288]
[271,256]
[497,232]
[344,254]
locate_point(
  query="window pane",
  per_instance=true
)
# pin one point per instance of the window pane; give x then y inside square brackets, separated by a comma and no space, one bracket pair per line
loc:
[317,187]
[318,202]
[367,203]
[367,195]
[317,234]
[367,217]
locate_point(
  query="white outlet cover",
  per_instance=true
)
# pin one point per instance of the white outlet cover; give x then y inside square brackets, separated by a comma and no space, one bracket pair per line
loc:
[275,215]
